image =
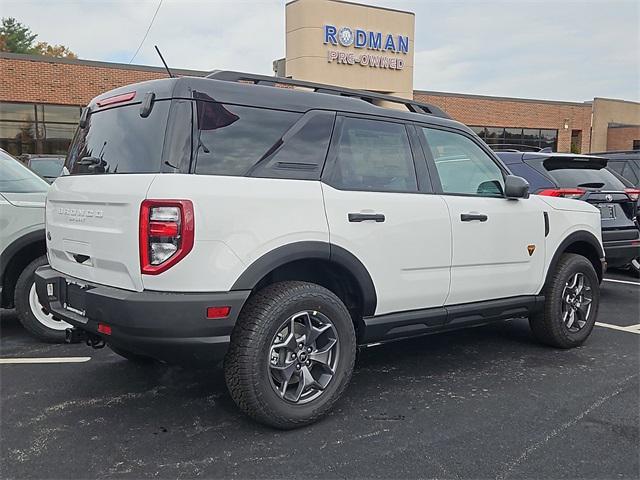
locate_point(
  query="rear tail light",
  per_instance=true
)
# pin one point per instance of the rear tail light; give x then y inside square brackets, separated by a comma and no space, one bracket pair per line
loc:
[166,234]
[563,192]
[633,193]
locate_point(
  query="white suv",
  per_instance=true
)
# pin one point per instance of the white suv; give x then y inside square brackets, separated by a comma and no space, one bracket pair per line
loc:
[280,228]
[23,248]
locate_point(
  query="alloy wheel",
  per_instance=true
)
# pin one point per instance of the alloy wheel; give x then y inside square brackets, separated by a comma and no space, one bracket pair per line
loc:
[577,297]
[303,356]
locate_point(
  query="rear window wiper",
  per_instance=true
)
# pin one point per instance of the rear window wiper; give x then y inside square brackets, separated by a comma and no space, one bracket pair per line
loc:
[591,185]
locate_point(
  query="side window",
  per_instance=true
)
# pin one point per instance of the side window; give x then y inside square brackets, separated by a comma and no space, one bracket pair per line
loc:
[231,139]
[463,167]
[374,155]
[616,166]
[303,151]
[629,174]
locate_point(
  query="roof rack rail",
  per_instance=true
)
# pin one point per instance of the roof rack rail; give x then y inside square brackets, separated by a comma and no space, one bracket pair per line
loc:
[367,96]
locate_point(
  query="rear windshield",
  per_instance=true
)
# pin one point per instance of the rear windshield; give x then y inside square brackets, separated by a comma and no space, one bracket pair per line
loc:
[571,174]
[16,178]
[119,140]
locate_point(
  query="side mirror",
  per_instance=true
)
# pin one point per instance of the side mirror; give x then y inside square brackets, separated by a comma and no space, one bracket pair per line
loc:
[516,187]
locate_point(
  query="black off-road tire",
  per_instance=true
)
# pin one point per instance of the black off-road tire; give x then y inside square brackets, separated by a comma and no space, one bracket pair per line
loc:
[132,357]
[547,326]
[23,307]
[246,365]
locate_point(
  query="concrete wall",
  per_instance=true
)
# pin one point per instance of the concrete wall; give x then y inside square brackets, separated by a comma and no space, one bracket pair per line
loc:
[307,56]
[606,111]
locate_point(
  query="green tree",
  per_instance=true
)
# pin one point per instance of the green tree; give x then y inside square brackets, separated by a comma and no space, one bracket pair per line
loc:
[16,37]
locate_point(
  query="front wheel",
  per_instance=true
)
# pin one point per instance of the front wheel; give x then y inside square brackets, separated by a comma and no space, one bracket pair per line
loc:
[291,355]
[572,298]
[30,311]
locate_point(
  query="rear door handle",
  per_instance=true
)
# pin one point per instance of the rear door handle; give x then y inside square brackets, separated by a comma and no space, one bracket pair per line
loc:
[365,217]
[470,217]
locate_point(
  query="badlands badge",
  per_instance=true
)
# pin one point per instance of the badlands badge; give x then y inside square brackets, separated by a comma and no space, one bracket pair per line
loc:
[531,248]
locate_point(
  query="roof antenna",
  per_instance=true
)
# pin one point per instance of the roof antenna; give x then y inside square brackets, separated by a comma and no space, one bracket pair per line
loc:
[163,62]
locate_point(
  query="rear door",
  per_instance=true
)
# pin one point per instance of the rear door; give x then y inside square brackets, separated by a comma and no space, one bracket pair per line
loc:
[92,211]
[498,243]
[380,210]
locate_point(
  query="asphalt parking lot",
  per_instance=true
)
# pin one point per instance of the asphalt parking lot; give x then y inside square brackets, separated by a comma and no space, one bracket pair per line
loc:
[482,403]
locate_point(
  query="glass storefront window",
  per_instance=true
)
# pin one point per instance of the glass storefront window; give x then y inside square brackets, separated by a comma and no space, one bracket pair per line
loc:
[61,114]
[535,137]
[17,111]
[37,128]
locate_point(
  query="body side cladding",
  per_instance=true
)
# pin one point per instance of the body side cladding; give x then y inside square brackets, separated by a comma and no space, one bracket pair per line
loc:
[450,317]
[315,251]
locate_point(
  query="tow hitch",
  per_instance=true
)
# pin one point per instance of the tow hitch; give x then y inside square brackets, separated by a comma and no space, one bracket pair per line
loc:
[76,335]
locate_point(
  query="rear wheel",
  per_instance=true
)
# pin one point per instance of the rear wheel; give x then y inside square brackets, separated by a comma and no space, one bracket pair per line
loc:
[30,311]
[291,355]
[572,298]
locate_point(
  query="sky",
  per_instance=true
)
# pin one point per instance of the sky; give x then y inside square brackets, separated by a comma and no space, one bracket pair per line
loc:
[556,50]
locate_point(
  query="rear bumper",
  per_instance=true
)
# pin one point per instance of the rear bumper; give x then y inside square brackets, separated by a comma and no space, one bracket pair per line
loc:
[171,327]
[620,253]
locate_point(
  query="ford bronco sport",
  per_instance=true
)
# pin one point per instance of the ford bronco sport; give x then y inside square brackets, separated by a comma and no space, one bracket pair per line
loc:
[279,228]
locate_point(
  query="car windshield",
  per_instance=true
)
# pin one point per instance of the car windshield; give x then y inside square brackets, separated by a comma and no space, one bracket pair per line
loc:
[586,174]
[47,167]
[16,178]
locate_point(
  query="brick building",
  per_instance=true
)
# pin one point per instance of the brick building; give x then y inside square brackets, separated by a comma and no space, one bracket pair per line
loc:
[41,100]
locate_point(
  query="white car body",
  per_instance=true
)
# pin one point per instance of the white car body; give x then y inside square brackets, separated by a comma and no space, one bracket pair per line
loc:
[420,257]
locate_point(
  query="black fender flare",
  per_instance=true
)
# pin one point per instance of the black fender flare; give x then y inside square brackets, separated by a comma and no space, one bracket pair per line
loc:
[579,236]
[311,250]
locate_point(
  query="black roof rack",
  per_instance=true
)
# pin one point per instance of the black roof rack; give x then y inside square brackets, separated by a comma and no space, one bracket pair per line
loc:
[411,105]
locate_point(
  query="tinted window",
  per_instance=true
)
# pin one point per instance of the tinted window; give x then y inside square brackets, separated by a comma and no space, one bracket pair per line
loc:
[119,140]
[579,173]
[233,139]
[463,166]
[629,174]
[616,166]
[303,151]
[536,180]
[16,178]
[374,155]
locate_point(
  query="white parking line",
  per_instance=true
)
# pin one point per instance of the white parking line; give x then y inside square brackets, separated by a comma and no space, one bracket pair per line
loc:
[629,329]
[621,281]
[6,361]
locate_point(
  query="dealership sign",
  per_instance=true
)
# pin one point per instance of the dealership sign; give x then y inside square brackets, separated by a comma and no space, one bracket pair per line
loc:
[364,43]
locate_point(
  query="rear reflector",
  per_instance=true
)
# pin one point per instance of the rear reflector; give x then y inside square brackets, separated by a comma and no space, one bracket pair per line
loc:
[563,192]
[106,329]
[218,312]
[123,97]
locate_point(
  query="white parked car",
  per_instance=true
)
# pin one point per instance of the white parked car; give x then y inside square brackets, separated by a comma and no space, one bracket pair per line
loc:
[279,228]
[23,247]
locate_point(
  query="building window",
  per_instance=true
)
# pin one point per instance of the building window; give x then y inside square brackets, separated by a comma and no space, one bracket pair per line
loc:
[37,128]
[636,144]
[532,137]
